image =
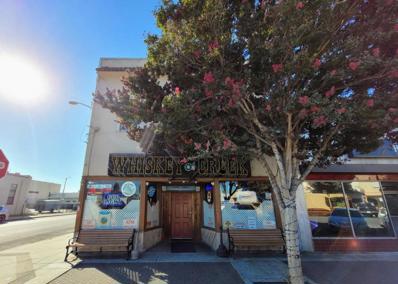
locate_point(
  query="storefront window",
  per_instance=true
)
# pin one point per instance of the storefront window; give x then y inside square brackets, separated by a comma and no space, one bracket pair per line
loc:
[327,209]
[208,206]
[152,207]
[390,190]
[368,210]
[247,205]
[112,205]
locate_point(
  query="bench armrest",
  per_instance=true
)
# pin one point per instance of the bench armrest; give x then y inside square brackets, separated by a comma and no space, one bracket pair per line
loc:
[131,239]
[72,241]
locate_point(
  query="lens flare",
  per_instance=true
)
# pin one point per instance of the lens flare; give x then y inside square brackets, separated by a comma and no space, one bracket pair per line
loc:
[21,81]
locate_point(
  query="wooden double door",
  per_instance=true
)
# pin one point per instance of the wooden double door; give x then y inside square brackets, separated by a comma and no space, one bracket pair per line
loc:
[182,215]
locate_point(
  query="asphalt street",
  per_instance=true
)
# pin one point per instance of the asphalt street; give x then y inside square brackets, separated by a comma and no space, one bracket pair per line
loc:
[17,233]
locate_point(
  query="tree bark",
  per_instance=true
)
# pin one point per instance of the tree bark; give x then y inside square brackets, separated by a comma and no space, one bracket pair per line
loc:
[290,225]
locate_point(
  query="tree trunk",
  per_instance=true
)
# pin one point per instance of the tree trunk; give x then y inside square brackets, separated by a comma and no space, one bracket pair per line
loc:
[292,244]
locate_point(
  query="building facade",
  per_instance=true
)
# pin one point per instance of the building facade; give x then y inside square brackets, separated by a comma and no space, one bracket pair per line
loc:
[18,192]
[124,188]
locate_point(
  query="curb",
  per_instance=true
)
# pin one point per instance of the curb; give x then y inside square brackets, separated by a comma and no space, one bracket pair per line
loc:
[19,218]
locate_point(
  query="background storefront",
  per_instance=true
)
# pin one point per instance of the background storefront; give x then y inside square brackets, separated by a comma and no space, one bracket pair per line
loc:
[357,214]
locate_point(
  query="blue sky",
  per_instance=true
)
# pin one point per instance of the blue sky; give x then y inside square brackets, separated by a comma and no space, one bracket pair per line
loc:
[65,39]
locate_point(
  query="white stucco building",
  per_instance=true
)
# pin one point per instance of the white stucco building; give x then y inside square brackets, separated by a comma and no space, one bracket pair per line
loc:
[18,192]
[348,207]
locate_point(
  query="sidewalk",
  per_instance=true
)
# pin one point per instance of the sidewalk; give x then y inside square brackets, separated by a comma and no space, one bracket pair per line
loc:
[41,215]
[158,267]
[34,263]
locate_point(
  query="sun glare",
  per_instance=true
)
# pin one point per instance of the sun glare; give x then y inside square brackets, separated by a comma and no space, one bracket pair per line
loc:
[21,81]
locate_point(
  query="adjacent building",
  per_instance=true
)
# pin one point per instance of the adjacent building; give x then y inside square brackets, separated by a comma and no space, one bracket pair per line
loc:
[348,207]
[18,192]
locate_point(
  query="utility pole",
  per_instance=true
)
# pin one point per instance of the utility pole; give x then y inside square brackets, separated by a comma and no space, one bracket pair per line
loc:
[63,190]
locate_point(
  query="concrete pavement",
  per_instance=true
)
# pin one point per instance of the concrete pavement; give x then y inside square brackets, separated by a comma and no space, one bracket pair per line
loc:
[158,267]
[17,233]
[34,263]
[153,273]
[358,272]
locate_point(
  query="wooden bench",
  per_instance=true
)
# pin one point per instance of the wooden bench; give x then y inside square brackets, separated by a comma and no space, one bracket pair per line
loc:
[100,241]
[269,239]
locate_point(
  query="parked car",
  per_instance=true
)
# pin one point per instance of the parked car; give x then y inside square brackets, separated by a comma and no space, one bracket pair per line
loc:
[50,205]
[339,219]
[367,209]
[3,214]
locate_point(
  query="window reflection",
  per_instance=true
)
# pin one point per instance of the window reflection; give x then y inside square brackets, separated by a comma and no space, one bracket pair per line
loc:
[390,190]
[369,213]
[327,209]
[247,205]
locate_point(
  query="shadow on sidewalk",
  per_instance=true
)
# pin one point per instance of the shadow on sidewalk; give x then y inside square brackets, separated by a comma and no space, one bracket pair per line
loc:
[171,273]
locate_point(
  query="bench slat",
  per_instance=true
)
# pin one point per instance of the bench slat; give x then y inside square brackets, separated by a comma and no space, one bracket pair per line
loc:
[257,238]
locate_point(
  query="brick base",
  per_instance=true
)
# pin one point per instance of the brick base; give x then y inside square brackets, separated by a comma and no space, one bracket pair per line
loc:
[339,245]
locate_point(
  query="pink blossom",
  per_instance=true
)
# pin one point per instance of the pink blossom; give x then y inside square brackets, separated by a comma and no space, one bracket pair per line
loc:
[268,107]
[353,65]
[226,144]
[198,146]
[370,103]
[229,82]
[208,78]
[341,110]
[393,74]
[188,141]
[231,103]
[330,92]
[395,120]
[392,109]
[396,27]
[277,67]
[319,121]
[299,5]
[317,63]
[315,108]
[208,93]
[177,91]
[197,53]
[213,45]
[303,100]
[303,113]
[183,161]
[376,52]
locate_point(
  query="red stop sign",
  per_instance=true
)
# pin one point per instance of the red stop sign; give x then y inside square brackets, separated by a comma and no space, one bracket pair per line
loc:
[3,164]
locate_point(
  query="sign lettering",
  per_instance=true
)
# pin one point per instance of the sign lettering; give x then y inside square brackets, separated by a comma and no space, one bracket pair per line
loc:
[161,166]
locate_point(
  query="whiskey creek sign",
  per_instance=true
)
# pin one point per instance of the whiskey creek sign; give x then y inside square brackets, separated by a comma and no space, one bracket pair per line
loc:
[130,165]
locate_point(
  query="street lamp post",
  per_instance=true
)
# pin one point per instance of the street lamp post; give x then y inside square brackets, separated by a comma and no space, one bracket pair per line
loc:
[92,132]
[73,103]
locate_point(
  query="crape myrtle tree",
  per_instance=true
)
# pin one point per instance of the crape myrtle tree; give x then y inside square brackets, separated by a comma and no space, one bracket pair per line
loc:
[294,84]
